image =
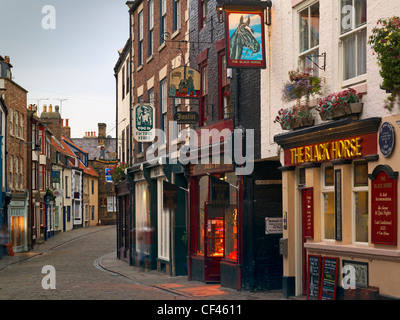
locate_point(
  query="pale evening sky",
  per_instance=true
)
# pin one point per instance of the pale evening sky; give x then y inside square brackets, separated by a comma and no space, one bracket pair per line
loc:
[74,61]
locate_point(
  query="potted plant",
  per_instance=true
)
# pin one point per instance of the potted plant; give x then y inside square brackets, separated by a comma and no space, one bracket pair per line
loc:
[295,117]
[339,104]
[385,42]
[301,85]
[118,172]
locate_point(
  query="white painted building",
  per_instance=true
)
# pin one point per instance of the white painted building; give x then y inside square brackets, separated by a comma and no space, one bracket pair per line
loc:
[337,30]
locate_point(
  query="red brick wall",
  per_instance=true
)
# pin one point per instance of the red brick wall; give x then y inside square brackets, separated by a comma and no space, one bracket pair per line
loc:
[16,100]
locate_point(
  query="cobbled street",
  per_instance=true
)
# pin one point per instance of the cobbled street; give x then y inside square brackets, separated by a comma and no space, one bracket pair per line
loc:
[78,275]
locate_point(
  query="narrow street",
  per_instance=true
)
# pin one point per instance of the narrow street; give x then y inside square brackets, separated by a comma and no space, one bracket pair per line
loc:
[78,275]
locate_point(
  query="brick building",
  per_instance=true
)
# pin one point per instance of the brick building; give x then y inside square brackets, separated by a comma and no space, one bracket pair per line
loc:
[15,98]
[157,45]
[102,158]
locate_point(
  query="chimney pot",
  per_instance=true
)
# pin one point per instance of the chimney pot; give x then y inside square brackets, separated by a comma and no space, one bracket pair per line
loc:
[44,108]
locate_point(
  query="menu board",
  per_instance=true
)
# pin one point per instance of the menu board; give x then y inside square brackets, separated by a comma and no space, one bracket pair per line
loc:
[314,276]
[329,278]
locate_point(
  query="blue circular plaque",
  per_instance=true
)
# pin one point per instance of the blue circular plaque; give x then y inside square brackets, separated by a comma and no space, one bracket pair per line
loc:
[386,139]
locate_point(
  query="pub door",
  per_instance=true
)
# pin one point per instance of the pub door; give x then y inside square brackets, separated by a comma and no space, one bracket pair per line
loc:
[213,242]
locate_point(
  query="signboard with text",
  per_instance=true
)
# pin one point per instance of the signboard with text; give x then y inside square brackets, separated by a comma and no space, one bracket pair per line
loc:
[308,213]
[383,207]
[143,120]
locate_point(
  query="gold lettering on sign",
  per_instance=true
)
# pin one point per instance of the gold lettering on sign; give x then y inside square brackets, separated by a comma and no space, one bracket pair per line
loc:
[340,149]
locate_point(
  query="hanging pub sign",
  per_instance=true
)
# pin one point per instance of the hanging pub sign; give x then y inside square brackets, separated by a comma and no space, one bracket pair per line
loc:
[184,83]
[245,39]
[143,122]
[384,205]
[188,117]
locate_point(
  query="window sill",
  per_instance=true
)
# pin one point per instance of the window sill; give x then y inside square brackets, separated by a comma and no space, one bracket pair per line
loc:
[358,250]
[162,46]
[139,68]
[149,58]
[175,33]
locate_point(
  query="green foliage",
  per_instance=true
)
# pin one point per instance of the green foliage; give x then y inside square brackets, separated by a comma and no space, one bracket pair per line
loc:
[385,42]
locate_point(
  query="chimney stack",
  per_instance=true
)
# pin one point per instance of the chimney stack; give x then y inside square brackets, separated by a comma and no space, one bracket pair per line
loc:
[66,130]
[102,134]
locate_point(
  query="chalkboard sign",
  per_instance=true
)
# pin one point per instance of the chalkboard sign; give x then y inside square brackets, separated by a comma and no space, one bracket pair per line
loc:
[314,275]
[329,278]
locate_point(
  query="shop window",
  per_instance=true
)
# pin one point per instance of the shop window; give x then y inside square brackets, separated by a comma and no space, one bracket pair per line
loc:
[328,196]
[360,191]
[353,35]
[163,224]
[203,197]
[309,37]
[231,220]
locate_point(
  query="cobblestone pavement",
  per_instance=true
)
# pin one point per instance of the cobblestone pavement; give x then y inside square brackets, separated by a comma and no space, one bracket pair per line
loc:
[87,269]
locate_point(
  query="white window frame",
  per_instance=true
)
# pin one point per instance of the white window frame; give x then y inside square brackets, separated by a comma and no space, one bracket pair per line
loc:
[163,217]
[324,190]
[302,56]
[353,211]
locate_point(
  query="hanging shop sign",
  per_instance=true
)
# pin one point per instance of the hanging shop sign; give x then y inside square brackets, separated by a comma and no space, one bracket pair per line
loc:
[190,117]
[348,148]
[143,119]
[384,205]
[245,39]
[108,175]
[184,82]
[386,139]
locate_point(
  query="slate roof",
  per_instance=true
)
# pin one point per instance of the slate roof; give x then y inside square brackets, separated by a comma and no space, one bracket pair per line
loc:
[90,145]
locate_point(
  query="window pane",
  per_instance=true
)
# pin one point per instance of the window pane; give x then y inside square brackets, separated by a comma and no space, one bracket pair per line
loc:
[347,15]
[361,208]
[314,16]
[203,196]
[349,57]
[360,175]
[304,23]
[329,215]
[362,52]
[361,12]
[231,215]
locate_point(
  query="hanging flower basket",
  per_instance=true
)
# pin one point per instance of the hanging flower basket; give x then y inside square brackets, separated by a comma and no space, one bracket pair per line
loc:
[295,117]
[340,104]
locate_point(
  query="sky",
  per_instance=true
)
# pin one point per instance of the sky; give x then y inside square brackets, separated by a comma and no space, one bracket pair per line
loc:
[65,51]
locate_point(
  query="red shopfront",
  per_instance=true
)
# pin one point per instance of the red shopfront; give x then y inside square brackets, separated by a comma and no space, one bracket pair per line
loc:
[213,230]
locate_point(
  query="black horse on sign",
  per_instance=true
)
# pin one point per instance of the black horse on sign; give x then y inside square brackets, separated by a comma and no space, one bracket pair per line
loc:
[242,38]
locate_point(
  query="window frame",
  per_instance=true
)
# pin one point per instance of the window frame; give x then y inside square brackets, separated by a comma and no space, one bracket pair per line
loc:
[222,92]
[354,30]
[358,189]
[303,62]
[140,38]
[326,190]
[150,45]
[203,102]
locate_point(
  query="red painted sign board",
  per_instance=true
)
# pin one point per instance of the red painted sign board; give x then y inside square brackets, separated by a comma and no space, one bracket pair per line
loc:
[384,210]
[308,213]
